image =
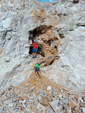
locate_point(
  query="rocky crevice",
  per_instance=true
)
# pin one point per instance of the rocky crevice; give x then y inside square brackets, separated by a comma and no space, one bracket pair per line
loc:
[48,61]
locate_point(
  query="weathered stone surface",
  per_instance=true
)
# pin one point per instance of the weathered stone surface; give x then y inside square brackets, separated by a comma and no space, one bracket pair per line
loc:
[54,105]
[59,28]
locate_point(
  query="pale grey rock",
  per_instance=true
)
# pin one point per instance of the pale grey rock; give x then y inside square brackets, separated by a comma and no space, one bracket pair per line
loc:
[31,89]
[20,101]
[6,22]
[24,102]
[81,100]
[7,59]
[10,105]
[24,105]
[54,105]
[61,90]
[40,106]
[40,92]
[27,110]
[60,96]
[48,87]
[50,111]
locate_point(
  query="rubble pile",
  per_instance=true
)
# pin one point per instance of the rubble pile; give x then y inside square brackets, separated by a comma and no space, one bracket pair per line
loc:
[40,96]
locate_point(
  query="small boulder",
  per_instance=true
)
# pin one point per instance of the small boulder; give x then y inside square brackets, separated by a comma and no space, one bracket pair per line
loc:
[54,105]
[43,100]
[49,88]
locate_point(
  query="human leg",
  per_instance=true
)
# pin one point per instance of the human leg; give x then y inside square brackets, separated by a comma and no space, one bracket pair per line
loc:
[33,54]
[39,74]
[36,71]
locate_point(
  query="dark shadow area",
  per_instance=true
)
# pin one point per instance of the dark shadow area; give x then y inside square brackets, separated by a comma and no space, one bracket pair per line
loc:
[75,1]
[40,50]
[61,36]
[33,34]
[30,50]
[38,31]
[48,61]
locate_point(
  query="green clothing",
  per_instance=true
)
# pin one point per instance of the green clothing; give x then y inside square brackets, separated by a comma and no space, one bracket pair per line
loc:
[36,65]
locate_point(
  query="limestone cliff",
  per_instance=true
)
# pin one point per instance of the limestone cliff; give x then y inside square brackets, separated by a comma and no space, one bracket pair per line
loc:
[59,29]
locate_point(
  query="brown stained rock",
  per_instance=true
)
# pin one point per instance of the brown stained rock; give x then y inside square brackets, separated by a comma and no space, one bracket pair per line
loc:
[23,7]
[2,93]
[11,1]
[15,105]
[31,107]
[73,111]
[22,14]
[48,61]
[35,16]
[74,105]
[42,14]
[20,98]
[43,100]
[54,13]
[2,98]
[21,108]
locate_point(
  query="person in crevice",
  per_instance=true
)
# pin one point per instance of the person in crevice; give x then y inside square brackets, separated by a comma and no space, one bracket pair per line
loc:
[37,70]
[34,50]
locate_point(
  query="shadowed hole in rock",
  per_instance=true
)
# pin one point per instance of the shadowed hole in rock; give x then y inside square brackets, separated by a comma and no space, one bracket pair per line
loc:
[75,1]
[38,31]
[33,34]
[47,42]
[61,36]
[48,61]
[30,50]
[40,50]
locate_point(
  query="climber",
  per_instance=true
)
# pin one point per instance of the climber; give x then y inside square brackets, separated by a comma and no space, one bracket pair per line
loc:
[34,50]
[37,70]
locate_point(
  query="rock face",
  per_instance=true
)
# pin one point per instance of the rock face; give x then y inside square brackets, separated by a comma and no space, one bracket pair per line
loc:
[58,28]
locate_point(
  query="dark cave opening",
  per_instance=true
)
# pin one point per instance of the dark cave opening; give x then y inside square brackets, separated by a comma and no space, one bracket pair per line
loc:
[33,34]
[38,31]
[30,50]
[40,50]
[47,43]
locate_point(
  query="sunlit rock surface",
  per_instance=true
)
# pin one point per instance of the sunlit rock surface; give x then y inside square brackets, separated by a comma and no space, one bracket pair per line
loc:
[62,39]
